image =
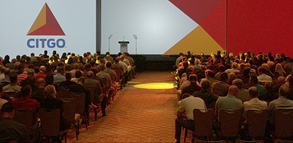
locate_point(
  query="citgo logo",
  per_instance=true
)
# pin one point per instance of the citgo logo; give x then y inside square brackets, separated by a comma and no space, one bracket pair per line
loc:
[45,25]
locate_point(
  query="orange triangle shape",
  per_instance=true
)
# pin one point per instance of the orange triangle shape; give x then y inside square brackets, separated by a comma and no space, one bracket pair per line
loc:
[196,41]
[46,24]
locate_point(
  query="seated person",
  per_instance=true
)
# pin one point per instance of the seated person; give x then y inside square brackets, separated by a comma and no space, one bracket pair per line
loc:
[10,130]
[52,103]
[39,93]
[185,114]
[24,102]
[79,87]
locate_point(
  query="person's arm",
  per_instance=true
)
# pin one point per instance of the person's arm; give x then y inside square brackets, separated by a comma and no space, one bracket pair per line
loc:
[181,115]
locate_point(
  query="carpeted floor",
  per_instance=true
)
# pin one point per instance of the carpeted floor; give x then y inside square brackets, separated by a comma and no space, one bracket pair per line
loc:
[137,114]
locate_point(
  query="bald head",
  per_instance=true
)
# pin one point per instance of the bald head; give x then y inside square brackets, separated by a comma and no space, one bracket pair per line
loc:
[253,92]
[284,90]
[281,80]
[233,90]
[43,69]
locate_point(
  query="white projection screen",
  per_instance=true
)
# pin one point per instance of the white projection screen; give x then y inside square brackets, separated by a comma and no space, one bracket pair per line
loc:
[157,24]
[32,26]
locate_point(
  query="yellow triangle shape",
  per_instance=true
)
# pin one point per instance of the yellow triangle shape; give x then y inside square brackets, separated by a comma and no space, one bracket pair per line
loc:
[40,20]
[196,41]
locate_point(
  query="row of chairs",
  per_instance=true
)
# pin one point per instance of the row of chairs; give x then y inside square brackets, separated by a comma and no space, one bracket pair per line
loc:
[230,125]
[48,125]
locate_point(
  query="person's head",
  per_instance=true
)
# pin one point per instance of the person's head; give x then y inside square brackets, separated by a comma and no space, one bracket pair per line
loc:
[101,67]
[281,80]
[26,91]
[224,77]
[49,79]
[78,74]
[284,90]
[68,76]
[50,92]
[234,65]
[13,78]
[269,86]
[252,72]
[238,83]
[60,70]
[205,85]
[42,69]
[8,110]
[233,90]
[41,83]
[232,76]
[253,92]
[192,78]
[253,80]
[261,70]
[108,64]
[90,74]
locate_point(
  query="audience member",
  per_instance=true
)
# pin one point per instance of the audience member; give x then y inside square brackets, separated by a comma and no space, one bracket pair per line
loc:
[41,73]
[229,102]
[10,130]
[59,77]
[185,114]
[221,87]
[243,93]
[205,94]
[253,81]
[254,103]
[52,103]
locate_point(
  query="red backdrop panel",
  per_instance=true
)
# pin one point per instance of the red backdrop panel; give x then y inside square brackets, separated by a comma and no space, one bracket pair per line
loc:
[260,25]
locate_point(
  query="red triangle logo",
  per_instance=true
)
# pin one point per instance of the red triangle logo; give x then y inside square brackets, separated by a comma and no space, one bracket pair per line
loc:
[46,24]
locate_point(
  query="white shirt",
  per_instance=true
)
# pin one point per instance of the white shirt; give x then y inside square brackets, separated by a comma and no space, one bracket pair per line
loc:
[255,104]
[190,103]
[264,78]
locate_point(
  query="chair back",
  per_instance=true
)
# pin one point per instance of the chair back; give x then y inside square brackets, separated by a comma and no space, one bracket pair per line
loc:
[25,117]
[203,122]
[284,122]
[10,95]
[119,73]
[50,122]
[257,121]
[63,93]
[229,123]
[69,109]
[95,96]
[79,98]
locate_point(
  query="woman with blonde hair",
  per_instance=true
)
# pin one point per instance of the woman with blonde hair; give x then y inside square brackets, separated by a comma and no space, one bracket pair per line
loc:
[279,69]
[51,102]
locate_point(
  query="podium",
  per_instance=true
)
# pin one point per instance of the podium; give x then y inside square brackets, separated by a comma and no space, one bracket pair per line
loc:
[123,46]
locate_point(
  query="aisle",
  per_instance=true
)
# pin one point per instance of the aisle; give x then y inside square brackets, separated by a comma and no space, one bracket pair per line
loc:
[137,114]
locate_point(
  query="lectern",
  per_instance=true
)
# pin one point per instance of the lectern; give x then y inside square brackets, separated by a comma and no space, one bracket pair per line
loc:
[123,46]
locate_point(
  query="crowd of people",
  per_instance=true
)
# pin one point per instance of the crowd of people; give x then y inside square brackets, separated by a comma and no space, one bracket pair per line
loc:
[232,82]
[33,82]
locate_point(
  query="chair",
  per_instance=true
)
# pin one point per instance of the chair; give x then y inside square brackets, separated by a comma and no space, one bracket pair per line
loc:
[283,124]
[256,125]
[203,123]
[94,94]
[27,118]
[229,124]
[63,93]
[79,98]
[50,124]
[69,113]
[10,95]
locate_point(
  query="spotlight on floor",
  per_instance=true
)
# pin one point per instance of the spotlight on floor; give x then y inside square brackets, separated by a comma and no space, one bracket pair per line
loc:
[159,85]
